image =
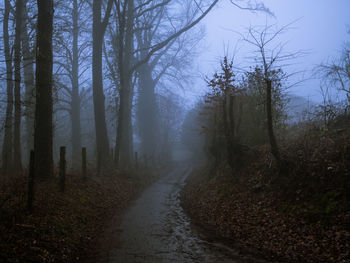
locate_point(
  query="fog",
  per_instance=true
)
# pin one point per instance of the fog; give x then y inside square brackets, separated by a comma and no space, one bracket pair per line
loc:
[316,29]
[228,114]
[320,28]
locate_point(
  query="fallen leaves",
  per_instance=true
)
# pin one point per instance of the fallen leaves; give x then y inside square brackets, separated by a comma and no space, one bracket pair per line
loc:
[255,222]
[63,227]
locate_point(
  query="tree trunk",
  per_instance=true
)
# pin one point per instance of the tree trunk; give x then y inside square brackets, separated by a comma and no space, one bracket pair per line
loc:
[62,174]
[83,163]
[213,144]
[7,144]
[28,69]
[147,111]
[75,102]
[43,109]
[17,163]
[126,71]
[98,31]
[31,182]
[123,148]
[236,147]
[232,116]
[227,131]
[272,139]
[165,152]
[124,133]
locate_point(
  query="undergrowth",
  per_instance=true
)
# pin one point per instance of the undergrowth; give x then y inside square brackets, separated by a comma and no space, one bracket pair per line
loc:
[302,215]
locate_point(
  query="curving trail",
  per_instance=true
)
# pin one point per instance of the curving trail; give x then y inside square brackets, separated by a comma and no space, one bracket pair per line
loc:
[156,229]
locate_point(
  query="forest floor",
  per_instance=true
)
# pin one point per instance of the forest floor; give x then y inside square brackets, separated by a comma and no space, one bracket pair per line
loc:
[302,217]
[258,223]
[64,227]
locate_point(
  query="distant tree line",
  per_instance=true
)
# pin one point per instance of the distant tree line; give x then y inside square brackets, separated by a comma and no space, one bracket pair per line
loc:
[246,109]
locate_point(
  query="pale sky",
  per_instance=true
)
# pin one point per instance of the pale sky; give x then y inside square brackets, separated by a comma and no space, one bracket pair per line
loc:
[322,27]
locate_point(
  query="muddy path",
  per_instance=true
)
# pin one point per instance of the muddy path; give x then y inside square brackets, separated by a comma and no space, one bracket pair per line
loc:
[156,229]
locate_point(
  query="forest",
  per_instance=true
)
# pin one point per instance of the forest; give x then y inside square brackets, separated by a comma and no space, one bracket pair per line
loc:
[148,131]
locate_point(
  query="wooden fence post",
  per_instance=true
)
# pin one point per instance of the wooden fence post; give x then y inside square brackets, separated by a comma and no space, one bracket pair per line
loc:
[62,168]
[83,162]
[30,194]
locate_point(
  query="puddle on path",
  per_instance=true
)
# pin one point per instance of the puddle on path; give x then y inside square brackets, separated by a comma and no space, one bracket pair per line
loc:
[155,229]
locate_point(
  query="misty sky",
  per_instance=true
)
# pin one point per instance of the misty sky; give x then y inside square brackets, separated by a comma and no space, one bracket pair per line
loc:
[322,27]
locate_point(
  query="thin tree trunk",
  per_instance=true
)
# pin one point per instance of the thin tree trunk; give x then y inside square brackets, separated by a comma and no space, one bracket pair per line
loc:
[123,142]
[31,182]
[83,163]
[75,102]
[273,143]
[62,173]
[98,96]
[116,156]
[227,131]
[236,148]
[119,134]
[28,69]
[213,145]
[231,116]
[123,150]
[7,144]
[17,163]
[147,111]
[44,107]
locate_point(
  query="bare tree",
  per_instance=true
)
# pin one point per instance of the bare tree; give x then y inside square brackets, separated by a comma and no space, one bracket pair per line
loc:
[43,110]
[327,110]
[125,29]
[98,31]
[127,64]
[224,93]
[28,74]
[17,61]
[129,14]
[70,58]
[168,63]
[7,149]
[170,115]
[337,71]
[271,58]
